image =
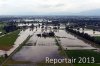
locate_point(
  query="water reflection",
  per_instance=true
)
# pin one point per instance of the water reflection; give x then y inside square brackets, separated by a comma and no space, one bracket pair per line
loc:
[37,48]
[70,42]
[36,53]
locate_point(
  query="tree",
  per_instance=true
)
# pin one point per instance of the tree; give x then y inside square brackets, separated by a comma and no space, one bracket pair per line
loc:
[83,29]
[93,31]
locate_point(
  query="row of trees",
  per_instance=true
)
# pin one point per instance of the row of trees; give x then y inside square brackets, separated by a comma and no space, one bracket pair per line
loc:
[84,35]
[10,27]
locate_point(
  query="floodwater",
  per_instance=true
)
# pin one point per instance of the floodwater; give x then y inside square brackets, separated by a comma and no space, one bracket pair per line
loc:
[38,48]
[36,53]
[90,32]
[70,42]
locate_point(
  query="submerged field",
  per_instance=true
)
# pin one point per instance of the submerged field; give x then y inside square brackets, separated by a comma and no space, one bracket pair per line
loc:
[36,49]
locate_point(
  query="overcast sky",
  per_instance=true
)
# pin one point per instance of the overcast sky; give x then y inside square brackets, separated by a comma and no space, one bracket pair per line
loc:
[36,7]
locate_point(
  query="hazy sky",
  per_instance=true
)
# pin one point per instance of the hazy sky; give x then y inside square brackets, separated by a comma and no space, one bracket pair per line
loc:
[21,7]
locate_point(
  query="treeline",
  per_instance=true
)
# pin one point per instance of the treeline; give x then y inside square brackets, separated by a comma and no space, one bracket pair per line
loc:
[84,35]
[10,28]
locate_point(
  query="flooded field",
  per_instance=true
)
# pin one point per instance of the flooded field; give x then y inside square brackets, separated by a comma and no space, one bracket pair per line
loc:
[90,32]
[38,48]
[71,42]
[36,53]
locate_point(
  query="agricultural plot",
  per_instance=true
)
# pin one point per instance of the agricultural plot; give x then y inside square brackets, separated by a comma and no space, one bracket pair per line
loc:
[36,53]
[13,39]
[97,38]
[46,42]
[37,49]
[8,39]
[71,42]
[46,47]
[84,57]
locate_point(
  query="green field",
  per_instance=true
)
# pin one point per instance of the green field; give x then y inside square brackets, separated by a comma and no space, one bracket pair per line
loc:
[97,37]
[8,40]
[86,64]
[87,54]
[1,59]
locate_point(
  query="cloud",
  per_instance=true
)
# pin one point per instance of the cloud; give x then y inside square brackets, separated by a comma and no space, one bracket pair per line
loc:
[46,6]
